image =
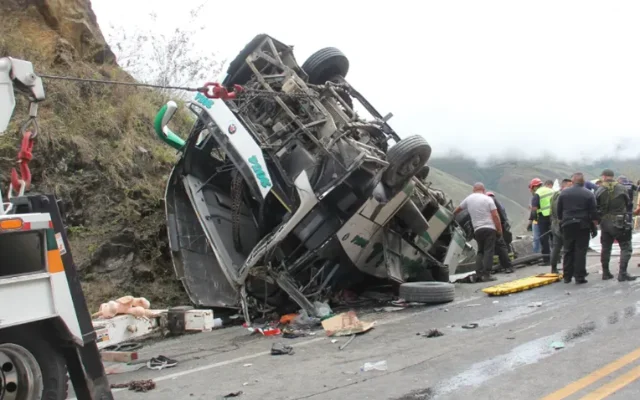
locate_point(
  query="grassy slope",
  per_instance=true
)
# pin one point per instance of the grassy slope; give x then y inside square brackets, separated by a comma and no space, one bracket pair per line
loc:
[98,153]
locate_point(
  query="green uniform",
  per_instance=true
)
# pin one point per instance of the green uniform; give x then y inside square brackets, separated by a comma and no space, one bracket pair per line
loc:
[613,200]
[556,233]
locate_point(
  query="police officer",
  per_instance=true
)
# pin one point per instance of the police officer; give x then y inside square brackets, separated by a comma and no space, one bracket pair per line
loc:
[541,212]
[613,205]
[556,232]
[578,217]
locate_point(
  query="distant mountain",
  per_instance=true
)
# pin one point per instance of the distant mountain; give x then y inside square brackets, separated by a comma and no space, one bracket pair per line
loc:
[511,178]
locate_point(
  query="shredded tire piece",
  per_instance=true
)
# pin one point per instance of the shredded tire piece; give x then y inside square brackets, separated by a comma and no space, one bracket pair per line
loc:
[136,386]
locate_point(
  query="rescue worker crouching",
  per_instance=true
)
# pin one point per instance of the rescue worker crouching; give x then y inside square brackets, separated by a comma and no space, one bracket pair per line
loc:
[615,224]
[541,212]
[556,232]
[503,242]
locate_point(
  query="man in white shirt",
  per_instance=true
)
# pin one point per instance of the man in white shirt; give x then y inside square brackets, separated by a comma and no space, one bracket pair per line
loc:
[487,228]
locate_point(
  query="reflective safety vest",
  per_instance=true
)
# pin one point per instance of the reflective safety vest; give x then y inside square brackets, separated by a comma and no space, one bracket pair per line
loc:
[545,194]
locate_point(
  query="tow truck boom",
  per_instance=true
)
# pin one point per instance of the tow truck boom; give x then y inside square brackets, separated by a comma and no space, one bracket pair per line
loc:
[50,333]
[20,73]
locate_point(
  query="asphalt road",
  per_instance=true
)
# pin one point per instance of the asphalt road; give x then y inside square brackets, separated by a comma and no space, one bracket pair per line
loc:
[508,356]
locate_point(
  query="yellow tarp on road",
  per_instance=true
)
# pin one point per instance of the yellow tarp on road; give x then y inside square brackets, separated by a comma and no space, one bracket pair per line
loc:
[523,284]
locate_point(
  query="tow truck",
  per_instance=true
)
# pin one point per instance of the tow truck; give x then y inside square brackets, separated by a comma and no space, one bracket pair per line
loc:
[46,334]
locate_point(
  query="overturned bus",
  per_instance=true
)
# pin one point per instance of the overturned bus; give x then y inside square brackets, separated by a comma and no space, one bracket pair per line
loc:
[291,185]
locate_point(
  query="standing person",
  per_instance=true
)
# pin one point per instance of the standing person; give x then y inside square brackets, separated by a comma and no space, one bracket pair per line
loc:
[578,216]
[486,226]
[541,212]
[613,205]
[503,242]
[631,190]
[556,232]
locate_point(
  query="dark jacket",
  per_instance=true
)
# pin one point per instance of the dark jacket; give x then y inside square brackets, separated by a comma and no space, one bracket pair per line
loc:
[577,205]
[612,199]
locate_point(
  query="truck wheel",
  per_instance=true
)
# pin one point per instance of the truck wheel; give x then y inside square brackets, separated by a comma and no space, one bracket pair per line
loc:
[405,159]
[30,367]
[325,64]
[427,292]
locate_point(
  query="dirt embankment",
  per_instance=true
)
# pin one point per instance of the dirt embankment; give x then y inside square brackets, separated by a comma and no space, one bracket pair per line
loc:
[96,151]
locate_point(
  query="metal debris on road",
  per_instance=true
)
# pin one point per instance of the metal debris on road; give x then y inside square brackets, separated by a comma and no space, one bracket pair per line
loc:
[137,386]
[348,341]
[470,326]
[557,345]
[388,309]
[535,304]
[234,394]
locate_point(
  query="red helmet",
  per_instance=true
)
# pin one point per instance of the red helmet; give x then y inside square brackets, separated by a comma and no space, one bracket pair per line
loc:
[490,194]
[535,182]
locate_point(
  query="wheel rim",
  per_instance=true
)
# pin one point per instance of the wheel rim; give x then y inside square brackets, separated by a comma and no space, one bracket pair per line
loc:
[410,166]
[20,374]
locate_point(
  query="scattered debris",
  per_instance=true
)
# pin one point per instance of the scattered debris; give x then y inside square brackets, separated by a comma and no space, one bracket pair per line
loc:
[136,386]
[388,309]
[473,305]
[535,304]
[496,302]
[510,337]
[470,326]
[136,306]
[267,331]
[431,333]
[287,318]
[130,346]
[322,309]
[345,324]
[557,345]
[247,365]
[161,362]
[230,395]
[377,366]
[465,277]
[278,349]
[403,303]
[119,356]
[291,333]
[348,341]
[334,341]
[303,320]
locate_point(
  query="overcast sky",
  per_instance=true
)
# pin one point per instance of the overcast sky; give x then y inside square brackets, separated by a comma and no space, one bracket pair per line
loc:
[485,77]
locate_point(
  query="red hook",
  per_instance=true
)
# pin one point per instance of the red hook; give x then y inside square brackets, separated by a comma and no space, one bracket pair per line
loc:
[25,155]
[214,90]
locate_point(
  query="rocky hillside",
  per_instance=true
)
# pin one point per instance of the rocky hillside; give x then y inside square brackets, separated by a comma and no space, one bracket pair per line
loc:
[96,150]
